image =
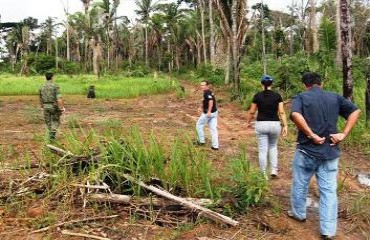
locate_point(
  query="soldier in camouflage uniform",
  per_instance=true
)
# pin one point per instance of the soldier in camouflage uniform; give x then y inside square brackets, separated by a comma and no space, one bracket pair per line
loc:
[53,105]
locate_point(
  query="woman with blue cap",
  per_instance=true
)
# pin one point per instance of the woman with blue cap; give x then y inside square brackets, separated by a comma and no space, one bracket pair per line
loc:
[270,107]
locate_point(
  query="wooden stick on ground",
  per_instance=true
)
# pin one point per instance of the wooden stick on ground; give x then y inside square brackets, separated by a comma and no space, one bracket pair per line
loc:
[65,232]
[60,151]
[201,210]
[72,222]
[91,186]
[158,202]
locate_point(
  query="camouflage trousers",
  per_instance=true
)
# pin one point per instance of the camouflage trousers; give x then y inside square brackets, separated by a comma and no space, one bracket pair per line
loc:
[52,120]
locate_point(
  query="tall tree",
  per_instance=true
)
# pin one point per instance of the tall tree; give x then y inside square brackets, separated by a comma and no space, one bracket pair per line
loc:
[47,29]
[234,23]
[146,7]
[346,47]
[211,33]
[313,36]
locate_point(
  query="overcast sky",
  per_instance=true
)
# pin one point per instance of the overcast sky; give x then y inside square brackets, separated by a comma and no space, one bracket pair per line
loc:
[16,10]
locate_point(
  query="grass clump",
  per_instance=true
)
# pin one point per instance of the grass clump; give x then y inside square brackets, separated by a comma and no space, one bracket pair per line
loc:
[181,169]
[249,185]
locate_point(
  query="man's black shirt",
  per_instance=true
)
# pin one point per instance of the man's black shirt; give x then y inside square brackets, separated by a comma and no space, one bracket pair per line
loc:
[207,96]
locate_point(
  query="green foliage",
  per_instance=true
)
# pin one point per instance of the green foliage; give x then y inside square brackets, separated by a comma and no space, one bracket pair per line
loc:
[105,87]
[6,67]
[326,54]
[44,221]
[136,70]
[287,76]
[327,35]
[69,67]
[41,63]
[213,75]
[250,185]
[359,210]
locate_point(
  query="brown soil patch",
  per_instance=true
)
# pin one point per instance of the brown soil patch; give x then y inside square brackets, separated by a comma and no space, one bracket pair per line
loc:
[21,130]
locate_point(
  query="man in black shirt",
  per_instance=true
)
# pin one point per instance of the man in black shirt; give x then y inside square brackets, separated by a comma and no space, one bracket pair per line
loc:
[209,115]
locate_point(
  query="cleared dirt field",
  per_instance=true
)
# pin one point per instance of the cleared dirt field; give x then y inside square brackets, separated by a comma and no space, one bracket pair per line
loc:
[21,129]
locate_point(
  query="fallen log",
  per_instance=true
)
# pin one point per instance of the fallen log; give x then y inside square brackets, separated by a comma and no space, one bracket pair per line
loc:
[202,211]
[72,222]
[156,202]
[72,158]
[217,217]
[89,236]
[60,151]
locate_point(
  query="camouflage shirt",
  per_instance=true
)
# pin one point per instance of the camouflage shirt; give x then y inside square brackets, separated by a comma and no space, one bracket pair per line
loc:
[49,94]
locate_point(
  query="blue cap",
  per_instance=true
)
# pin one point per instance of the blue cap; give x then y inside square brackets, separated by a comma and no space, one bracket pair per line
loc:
[266,77]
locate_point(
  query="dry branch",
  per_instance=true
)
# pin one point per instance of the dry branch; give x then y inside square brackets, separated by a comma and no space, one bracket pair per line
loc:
[91,186]
[65,232]
[157,202]
[60,151]
[72,222]
[201,210]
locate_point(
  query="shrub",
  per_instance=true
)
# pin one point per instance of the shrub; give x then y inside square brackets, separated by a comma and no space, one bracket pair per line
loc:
[250,186]
[41,63]
[213,75]
[70,67]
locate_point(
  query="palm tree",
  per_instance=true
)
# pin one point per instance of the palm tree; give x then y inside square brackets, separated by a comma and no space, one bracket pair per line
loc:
[109,17]
[146,7]
[47,29]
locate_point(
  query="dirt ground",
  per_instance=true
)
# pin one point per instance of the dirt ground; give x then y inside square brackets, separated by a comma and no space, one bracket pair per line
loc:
[21,131]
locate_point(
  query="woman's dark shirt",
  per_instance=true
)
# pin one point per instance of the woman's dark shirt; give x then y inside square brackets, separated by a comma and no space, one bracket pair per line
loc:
[268,104]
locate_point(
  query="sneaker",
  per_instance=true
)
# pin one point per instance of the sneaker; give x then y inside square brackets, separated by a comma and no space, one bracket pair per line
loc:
[291,215]
[326,237]
[215,149]
[274,174]
[197,143]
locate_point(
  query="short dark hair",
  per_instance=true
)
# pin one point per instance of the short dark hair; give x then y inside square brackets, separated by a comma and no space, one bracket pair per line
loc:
[205,81]
[49,75]
[311,78]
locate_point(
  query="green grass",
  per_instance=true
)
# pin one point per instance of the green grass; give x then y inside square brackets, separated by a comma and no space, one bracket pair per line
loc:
[105,87]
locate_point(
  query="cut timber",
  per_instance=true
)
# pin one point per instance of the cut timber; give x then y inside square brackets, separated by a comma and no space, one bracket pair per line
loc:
[70,158]
[72,222]
[88,236]
[157,202]
[60,151]
[201,210]
[91,186]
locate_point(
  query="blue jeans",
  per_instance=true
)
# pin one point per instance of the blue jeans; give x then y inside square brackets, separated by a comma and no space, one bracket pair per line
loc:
[304,166]
[268,133]
[212,123]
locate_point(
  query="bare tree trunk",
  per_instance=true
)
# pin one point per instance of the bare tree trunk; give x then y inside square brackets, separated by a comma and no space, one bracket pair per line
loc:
[212,34]
[68,44]
[235,48]
[367,103]
[228,63]
[56,53]
[146,46]
[345,30]
[263,40]
[177,59]
[201,7]
[199,53]
[313,26]
[338,58]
